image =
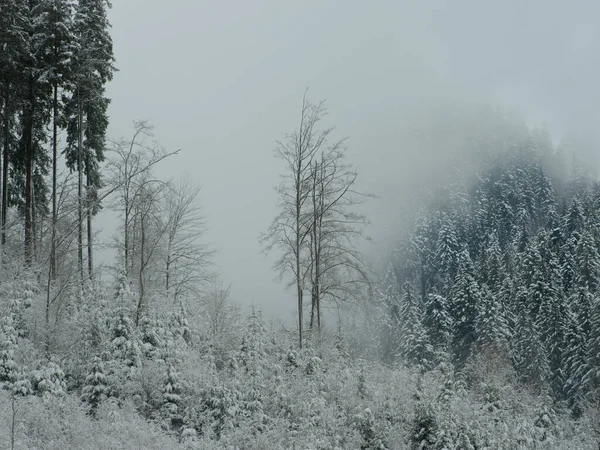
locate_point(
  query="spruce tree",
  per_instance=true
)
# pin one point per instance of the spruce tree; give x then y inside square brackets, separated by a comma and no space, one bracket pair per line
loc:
[438,322]
[8,345]
[447,252]
[171,407]
[414,343]
[96,388]
[465,299]
[491,326]
[529,355]
[14,44]
[588,263]
[57,47]
[30,162]
[93,66]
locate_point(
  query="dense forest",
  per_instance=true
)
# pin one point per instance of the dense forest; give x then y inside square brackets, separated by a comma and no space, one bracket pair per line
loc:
[480,331]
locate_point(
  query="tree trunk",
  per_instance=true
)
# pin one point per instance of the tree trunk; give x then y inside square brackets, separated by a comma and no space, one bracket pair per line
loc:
[140,304]
[300,314]
[6,125]
[167,275]
[126,239]
[90,242]
[54,164]
[80,187]
[28,147]
[298,205]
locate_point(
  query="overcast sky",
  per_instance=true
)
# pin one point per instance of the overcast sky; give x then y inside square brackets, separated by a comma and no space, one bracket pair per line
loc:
[224,80]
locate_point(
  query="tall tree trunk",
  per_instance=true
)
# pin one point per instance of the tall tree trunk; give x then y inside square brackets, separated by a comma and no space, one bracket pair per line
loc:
[54,164]
[167,274]
[126,238]
[89,227]
[80,186]
[6,125]
[140,304]
[28,147]
[298,187]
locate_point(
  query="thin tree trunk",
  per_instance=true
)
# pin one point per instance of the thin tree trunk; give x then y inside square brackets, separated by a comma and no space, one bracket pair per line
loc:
[138,313]
[80,187]
[28,144]
[89,228]
[47,311]
[298,187]
[168,268]
[5,164]
[13,422]
[34,221]
[126,238]
[299,314]
[54,164]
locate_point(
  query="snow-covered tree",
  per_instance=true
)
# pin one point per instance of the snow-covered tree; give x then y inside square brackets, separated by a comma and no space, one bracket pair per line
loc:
[96,387]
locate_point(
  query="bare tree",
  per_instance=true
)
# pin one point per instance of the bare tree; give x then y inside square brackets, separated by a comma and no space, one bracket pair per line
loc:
[150,228]
[337,269]
[186,259]
[129,161]
[291,226]
[217,308]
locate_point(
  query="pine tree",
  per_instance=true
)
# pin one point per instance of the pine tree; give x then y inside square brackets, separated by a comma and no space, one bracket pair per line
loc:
[171,407]
[528,353]
[150,340]
[491,326]
[447,252]
[465,299]
[57,45]
[591,379]
[390,297]
[179,325]
[30,162]
[493,270]
[14,44]
[576,364]
[437,321]
[414,343]
[552,323]
[588,263]
[124,348]
[49,380]
[8,345]
[574,221]
[87,107]
[96,388]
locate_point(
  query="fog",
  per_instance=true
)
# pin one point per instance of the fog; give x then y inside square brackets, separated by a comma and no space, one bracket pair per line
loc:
[224,80]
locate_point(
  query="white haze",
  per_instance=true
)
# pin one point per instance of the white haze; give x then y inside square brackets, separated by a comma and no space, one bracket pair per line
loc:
[224,80]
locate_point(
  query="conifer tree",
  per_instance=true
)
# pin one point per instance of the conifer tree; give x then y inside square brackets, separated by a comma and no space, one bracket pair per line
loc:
[438,322]
[49,379]
[93,66]
[528,353]
[491,326]
[414,343]
[172,390]
[96,388]
[57,47]
[8,345]
[465,299]
[14,44]
[447,252]
[30,163]
[588,263]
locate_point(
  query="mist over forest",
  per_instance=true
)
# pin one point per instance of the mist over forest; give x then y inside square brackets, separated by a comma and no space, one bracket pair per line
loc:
[313,226]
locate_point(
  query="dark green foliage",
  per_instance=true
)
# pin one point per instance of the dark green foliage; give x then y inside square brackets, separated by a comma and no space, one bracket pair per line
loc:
[500,266]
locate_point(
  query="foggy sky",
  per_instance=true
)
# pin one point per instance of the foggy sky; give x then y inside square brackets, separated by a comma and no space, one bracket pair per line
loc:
[224,80]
